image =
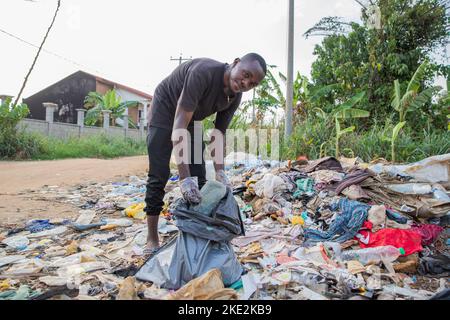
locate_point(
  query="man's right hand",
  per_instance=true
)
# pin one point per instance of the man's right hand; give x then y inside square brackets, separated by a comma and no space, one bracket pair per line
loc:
[190,191]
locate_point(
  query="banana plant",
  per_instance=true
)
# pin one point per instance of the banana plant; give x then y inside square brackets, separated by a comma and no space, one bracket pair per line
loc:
[340,133]
[96,103]
[347,111]
[412,99]
[11,114]
[393,138]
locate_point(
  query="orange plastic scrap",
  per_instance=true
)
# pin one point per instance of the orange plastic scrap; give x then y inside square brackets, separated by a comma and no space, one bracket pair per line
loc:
[108,227]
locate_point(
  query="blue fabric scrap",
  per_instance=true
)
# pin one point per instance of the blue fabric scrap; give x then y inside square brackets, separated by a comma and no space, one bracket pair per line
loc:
[346,225]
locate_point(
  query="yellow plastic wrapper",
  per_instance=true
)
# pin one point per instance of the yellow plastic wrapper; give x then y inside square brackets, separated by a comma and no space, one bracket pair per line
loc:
[297,220]
[136,211]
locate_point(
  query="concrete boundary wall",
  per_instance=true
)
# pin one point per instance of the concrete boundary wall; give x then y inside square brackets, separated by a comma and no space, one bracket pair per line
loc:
[66,130]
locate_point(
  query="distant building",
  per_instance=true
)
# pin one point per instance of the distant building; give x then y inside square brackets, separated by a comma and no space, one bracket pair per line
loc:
[70,92]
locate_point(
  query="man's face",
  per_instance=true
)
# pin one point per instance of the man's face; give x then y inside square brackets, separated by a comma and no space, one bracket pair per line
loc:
[245,75]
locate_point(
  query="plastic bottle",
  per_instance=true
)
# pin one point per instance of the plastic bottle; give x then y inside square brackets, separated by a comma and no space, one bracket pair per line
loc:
[377,254]
[441,195]
[410,188]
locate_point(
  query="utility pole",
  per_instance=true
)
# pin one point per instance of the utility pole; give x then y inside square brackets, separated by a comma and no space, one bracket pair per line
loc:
[180,59]
[290,71]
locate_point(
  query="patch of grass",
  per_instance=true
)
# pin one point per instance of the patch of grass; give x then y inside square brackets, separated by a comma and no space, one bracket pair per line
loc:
[30,146]
[99,146]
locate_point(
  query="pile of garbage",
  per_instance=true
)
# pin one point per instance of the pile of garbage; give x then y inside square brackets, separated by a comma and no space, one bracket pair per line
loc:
[313,230]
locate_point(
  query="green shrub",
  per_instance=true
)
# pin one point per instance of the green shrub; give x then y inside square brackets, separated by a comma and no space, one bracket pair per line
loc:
[15,144]
[21,146]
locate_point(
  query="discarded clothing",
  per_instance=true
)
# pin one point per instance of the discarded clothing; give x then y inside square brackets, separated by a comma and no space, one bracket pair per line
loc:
[304,187]
[290,178]
[355,177]
[443,295]
[409,240]
[397,217]
[327,163]
[429,232]
[435,265]
[326,176]
[355,192]
[346,225]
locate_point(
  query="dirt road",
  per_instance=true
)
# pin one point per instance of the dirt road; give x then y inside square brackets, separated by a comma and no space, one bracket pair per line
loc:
[19,179]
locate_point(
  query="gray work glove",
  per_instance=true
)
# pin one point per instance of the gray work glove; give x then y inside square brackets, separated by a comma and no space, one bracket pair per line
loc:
[190,191]
[222,178]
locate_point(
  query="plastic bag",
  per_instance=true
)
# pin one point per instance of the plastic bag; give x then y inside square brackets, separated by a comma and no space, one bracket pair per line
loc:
[203,244]
[269,186]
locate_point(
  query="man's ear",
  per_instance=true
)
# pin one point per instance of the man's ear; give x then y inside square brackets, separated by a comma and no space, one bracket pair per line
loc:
[236,61]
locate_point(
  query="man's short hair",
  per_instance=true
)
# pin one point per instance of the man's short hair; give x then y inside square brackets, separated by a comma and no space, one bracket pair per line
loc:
[257,57]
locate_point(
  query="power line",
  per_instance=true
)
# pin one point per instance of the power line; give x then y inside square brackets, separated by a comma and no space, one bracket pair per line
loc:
[180,59]
[55,54]
[47,51]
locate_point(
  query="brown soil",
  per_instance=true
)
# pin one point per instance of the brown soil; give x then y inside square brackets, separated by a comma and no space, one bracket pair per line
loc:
[18,180]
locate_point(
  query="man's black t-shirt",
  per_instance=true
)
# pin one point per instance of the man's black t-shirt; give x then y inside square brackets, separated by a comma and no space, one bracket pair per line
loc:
[198,86]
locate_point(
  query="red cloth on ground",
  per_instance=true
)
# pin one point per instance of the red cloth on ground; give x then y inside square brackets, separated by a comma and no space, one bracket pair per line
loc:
[429,232]
[410,241]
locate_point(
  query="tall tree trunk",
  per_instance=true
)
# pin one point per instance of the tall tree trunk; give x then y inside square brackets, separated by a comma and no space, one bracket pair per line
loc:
[37,54]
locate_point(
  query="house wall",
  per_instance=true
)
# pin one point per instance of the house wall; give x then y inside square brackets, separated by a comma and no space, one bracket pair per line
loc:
[68,94]
[102,88]
[133,112]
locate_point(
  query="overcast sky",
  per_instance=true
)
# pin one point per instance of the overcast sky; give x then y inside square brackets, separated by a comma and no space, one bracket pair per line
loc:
[131,41]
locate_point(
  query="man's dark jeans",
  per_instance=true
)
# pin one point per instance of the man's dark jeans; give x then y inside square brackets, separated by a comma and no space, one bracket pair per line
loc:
[159,147]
